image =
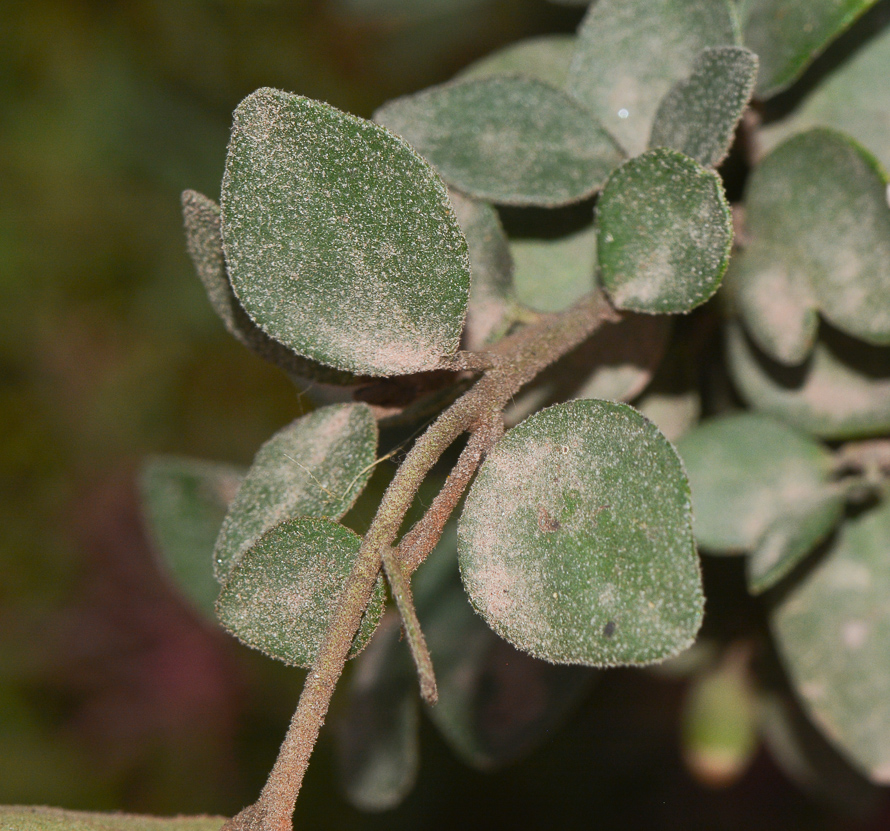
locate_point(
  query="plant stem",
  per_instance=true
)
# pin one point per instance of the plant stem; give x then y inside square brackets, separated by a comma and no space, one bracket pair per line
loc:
[518,359]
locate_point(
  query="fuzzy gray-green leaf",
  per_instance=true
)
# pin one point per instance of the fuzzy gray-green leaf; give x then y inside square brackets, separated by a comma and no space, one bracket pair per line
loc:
[316,466]
[33,818]
[340,240]
[280,596]
[630,53]
[833,634]
[506,139]
[820,200]
[491,292]
[699,115]
[185,501]
[746,471]
[791,537]
[665,233]
[576,539]
[545,58]
[841,391]
[788,34]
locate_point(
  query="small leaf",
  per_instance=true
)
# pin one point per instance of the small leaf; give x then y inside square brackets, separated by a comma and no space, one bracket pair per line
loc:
[576,540]
[511,140]
[205,247]
[841,391]
[339,239]
[630,53]
[853,97]
[665,233]
[545,58]
[699,115]
[788,34]
[316,466]
[554,272]
[820,202]
[491,292]
[833,633]
[719,727]
[31,818]
[495,704]
[185,501]
[746,471]
[378,747]
[280,596]
[775,300]
[791,537]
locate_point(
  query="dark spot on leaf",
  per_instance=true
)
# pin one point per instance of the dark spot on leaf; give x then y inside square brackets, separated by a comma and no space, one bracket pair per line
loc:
[547,522]
[609,629]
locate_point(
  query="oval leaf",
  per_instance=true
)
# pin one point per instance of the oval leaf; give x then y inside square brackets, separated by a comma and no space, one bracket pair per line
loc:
[185,502]
[316,466]
[340,240]
[746,471]
[32,818]
[544,58]
[279,597]
[511,140]
[833,633]
[820,201]
[630,53]
[699,115]
[841,391]
[576,540]
[788,34]
[665,233]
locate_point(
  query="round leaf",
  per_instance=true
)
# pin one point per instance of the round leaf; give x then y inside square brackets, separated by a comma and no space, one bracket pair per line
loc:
[316,466]
[576,540]
[630,52]
[32,818]
[279,597]
[833,633]
[665,233]
[511,140]
[340,240]
[841,391]
[545,58]
[746,471]
[699,115]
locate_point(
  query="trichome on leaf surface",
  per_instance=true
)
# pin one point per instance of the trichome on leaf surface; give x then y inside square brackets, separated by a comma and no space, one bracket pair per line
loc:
[395,266]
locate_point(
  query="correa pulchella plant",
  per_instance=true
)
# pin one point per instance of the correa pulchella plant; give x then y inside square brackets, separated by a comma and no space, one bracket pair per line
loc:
[372,257]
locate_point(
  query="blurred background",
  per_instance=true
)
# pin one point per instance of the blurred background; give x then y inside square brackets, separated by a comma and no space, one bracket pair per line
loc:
[113,695]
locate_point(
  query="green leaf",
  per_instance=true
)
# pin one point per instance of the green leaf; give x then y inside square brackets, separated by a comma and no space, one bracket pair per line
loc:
[842,390]
[719,725]
[185,501]
[791,537]
[491,292]
[340,240]
[831,227]
[554,272]
[545,58]
[316,466]
[511,140]
[788,34]
[378,748]
[665,233]
[280,596]
[746,471]
[201,216]
[853,97]
[630,53]
[495,704]
[773,296]
[833,633]
[576,540]
[699,115]
[31,818]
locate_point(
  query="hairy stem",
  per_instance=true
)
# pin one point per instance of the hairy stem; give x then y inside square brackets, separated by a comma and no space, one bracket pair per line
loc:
[514,361]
